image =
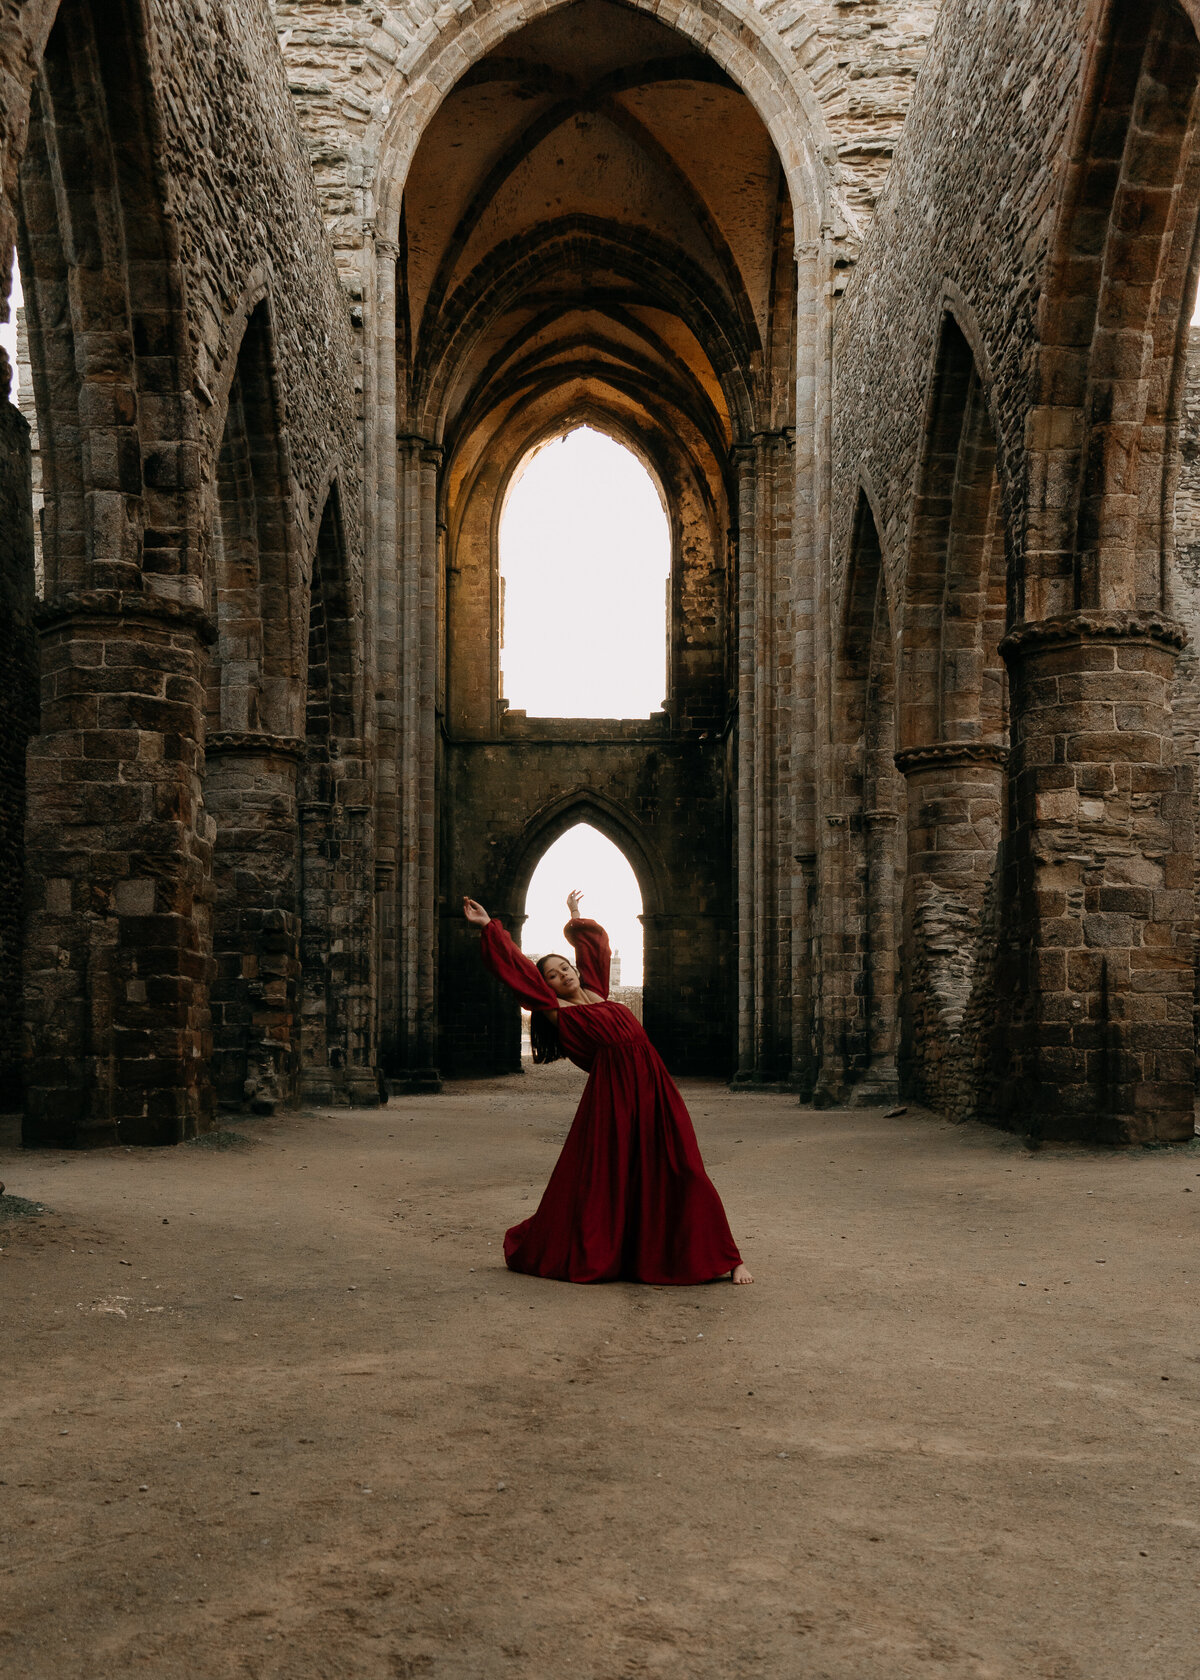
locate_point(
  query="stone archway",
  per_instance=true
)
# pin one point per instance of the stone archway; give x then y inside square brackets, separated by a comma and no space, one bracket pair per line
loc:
[686,978]
[620,245]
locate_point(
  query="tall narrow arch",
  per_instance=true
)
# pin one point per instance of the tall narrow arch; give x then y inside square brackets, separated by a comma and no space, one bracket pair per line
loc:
[954,686]
[336,1033]
[103,299]
[1114,319]
[584,860]
[862,1021]
[252,588]
[615,823]
[583,494]
[254,703]
[954,718]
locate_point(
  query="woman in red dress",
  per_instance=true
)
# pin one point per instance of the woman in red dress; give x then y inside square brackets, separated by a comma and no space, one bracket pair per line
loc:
[628,1197]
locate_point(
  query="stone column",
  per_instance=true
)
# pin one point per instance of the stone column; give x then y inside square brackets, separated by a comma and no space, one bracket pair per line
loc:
[763,796]
[811,465]
[955,806]
[418,1069]
[880,1083]
[118,941]
[746,846]
[353,927]
[383,588]
[804,1049]
[250,794]
[337,1031]
[1092,1017]
[18,720]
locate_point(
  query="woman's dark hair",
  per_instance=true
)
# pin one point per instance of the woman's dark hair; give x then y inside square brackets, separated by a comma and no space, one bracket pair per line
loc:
[543,1034]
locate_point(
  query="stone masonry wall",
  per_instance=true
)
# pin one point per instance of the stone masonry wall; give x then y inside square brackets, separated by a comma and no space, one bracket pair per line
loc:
[1091,934]
[965,220]
[18,686]
[348,62]
[121,888]
[967,217]
[1185,582]
[670,796]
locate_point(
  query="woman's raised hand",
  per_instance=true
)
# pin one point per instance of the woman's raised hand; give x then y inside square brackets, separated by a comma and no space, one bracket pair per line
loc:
[573,903]
[475,913]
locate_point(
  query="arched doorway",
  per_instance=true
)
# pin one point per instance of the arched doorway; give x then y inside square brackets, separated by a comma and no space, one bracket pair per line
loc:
[618,253]
[585,858]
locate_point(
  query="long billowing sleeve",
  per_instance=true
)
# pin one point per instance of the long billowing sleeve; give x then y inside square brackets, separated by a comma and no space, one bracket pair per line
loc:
[592,954]
[513,967]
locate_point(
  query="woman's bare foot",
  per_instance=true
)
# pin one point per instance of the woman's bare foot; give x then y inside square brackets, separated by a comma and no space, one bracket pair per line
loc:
[741,1274]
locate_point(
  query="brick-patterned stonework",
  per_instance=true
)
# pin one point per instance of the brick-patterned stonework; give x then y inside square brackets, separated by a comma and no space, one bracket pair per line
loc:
[891,298]
[18,718]
[1064,988]
[350,67]
[185,152]
[661,801]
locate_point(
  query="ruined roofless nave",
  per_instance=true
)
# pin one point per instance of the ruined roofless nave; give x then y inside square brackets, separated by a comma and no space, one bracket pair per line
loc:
[893,303]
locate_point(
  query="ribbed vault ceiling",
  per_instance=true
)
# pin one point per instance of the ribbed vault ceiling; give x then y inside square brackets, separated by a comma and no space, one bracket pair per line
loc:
[595,210]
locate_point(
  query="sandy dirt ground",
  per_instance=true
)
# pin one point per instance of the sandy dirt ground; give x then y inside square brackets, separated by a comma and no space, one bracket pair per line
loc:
[277,1410]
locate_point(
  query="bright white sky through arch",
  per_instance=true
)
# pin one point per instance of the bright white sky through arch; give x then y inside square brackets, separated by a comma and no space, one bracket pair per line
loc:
[587,859]
[8,329]
[585,553]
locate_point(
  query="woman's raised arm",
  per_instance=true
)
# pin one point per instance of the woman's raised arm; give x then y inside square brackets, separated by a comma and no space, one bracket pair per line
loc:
[590,942]
[501,958]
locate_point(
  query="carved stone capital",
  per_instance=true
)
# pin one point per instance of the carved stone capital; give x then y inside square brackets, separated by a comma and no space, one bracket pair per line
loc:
[127,604]
[949,754]
[220,742]
[1114,625]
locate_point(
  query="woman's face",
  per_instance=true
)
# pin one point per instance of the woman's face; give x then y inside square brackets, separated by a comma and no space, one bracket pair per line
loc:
[559,975]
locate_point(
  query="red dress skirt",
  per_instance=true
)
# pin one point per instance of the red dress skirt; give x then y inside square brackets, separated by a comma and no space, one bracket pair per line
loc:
[629,1196]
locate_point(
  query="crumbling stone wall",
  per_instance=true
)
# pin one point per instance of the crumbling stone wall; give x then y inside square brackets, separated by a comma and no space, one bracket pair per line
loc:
[1185,583]
[661,800]
[1005,207]
[18,712]
[947,823]
[348,64]
[211,210]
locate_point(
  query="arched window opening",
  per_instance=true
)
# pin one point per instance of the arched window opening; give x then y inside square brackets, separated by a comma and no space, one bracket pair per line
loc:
[587,859]
[248,679]
[19,676]
[250,765]
[14,336]
[332,954]
[8,329]
[585,558]
[873,793]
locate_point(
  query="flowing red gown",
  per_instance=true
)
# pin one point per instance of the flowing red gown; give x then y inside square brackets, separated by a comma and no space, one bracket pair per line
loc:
[629,1196]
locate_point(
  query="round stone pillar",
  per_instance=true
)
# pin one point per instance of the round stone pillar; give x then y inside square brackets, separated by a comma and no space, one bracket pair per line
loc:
[117,954]
[1092,1017]
[250,795]
[955,804]
[880,1083]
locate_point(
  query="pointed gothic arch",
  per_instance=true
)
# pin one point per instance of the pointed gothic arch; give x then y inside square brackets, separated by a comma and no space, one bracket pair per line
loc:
[1114,323]
[862,1017]
[111,372]
[954,718]
[104,311]
[583,805]
[254,697]
[336,1030]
